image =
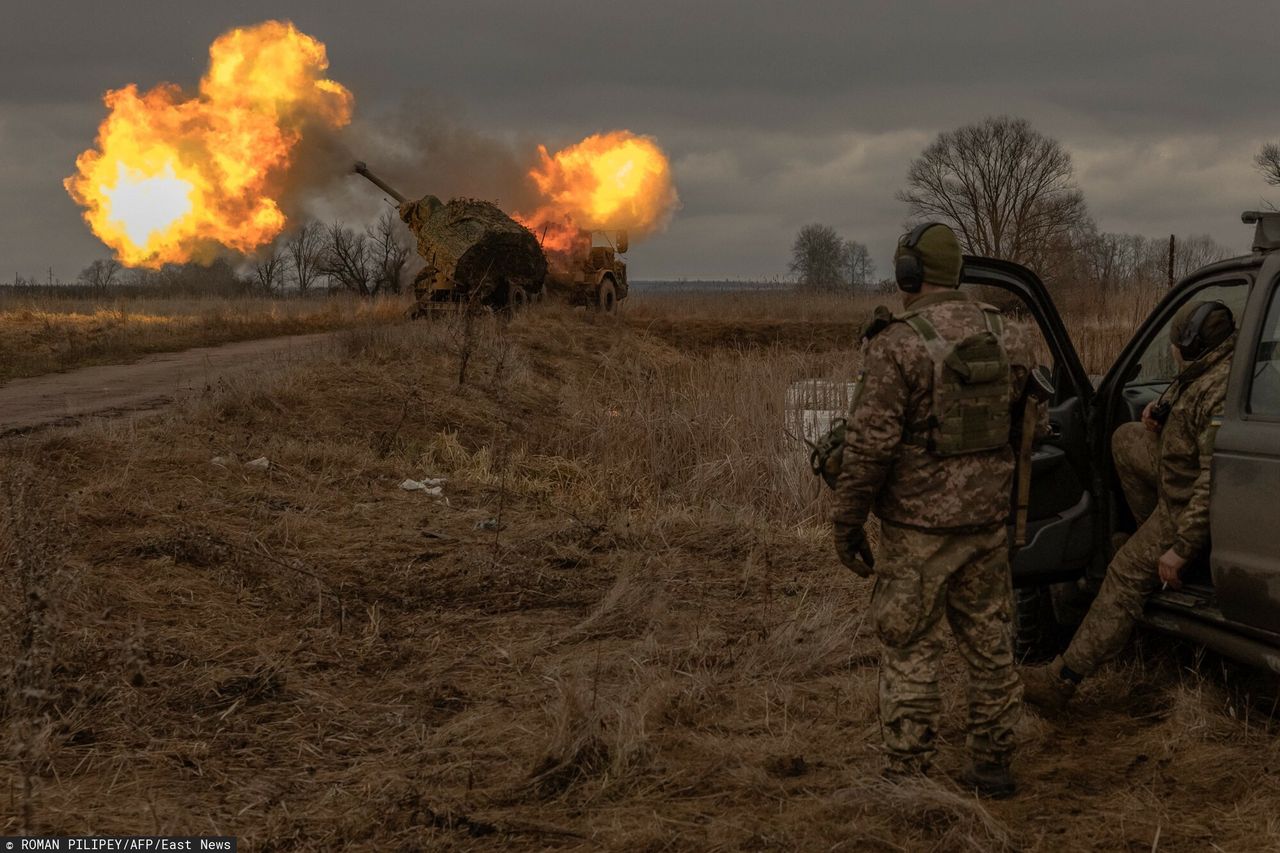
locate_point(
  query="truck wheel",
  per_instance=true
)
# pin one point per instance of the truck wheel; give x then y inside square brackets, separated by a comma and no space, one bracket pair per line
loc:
[517,299]
[1032,619]
[607,297]
[1044,618]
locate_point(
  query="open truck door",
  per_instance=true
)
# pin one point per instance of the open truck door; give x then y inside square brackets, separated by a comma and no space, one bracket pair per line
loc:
[1230,598]
[1063,534]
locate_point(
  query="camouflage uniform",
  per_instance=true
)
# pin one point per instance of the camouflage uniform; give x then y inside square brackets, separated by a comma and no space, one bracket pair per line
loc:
[1136,452]
[943,547]
[1180,519]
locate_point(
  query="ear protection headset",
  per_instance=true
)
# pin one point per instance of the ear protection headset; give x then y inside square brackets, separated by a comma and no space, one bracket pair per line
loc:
[1191,343]
[908,269]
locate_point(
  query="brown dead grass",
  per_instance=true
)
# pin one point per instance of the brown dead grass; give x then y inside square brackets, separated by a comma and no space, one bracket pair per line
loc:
[622,627]
[48,334]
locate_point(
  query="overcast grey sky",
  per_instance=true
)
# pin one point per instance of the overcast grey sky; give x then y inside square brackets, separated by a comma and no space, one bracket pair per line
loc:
[774,114]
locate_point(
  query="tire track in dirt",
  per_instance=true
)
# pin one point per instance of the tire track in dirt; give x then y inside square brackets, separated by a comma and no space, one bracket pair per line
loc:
[150,383]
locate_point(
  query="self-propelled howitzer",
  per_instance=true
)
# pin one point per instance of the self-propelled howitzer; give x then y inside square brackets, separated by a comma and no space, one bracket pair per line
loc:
[474,252]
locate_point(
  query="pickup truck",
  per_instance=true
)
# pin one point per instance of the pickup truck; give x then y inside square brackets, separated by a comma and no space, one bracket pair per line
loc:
[1230,599]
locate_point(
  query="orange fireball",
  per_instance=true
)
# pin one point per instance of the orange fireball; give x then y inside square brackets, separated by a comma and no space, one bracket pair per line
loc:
[608,181]
[172,178]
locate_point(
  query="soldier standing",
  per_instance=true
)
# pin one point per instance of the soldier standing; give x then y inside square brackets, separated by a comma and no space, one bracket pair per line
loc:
[1172,448]
[927,448]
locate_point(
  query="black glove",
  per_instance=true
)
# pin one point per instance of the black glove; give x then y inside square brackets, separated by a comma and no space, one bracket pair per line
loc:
[853,550]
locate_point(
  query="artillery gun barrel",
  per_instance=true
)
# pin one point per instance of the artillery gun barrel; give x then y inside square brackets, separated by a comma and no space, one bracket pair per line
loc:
[362,169]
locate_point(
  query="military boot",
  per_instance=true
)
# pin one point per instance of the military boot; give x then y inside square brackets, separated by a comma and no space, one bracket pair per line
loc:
[989,779]
[1048,686]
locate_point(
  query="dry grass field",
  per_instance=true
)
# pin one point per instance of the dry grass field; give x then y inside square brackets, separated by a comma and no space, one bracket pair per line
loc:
[619,626]
[51,333]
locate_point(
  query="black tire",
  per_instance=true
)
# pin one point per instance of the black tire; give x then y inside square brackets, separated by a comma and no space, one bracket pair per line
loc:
[517,299]
[1033,625]
[1044,618]
[607,297]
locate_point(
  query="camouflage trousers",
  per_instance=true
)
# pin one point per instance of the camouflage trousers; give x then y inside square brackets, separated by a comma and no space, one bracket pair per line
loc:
[1136,452]
[1132,575]
[920,579]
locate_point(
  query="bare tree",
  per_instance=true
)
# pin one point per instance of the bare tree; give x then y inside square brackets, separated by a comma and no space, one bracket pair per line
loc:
[304,248]
[268,268]
[1099,260]
[192,278]
[1006,189]
[818,257]
[139,277]
[100,274]
[346,259]
[389,252]
[1268,162]
[1194,251]
[861,270]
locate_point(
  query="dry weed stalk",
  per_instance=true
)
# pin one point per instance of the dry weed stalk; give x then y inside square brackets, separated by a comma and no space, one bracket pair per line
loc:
[594,736]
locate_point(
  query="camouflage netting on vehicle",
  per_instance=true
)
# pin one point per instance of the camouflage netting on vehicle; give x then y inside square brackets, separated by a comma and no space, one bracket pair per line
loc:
[475,245]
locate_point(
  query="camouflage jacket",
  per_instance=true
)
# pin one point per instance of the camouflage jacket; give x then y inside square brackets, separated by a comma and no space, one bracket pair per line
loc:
[1186,446]
[902,482]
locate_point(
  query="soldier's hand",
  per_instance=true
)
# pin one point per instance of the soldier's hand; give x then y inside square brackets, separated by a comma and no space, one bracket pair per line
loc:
[853,550]
[1171,566]
[1148,421]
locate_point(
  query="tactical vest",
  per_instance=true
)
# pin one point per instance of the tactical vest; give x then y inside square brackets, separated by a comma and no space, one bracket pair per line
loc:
[969,412]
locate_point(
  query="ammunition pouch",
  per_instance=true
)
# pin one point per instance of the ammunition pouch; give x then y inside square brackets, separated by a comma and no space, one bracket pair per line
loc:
[970,409]
[826,455]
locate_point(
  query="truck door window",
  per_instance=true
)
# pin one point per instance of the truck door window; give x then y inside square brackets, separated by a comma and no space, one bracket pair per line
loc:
[1157,365]
[1264,392]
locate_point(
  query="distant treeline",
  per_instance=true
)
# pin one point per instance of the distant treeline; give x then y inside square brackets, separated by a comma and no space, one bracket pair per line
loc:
[108,278]
[313,257]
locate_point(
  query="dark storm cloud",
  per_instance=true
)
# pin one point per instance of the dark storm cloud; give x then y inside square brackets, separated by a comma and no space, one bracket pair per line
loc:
[774,114]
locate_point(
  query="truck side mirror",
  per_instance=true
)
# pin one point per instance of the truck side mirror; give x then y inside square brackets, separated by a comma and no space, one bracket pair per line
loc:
[622,243]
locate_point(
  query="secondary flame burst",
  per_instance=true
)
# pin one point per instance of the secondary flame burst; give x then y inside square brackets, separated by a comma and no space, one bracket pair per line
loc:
[173,177]
[608,181]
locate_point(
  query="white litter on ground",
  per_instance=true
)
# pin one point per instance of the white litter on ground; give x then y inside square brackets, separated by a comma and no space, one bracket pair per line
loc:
[431,488]
[262,463]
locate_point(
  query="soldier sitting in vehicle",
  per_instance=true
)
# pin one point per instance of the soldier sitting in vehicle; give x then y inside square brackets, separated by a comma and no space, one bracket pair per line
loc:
[1164,465]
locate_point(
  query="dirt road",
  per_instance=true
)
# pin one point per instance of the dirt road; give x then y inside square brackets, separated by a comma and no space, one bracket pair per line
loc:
[58,399]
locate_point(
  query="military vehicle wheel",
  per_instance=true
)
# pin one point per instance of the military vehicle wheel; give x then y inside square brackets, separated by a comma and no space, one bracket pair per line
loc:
[1044,619]
[517,299]
[607,297]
